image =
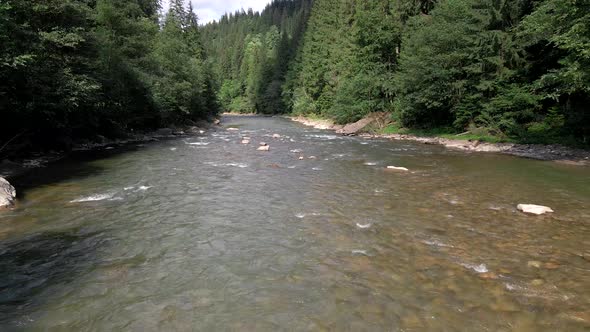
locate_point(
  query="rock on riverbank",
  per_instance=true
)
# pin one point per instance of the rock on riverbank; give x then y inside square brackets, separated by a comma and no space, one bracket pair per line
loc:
[7,194]
[558,153]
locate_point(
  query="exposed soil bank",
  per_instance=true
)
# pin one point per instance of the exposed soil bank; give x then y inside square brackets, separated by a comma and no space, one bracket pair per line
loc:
[557,153]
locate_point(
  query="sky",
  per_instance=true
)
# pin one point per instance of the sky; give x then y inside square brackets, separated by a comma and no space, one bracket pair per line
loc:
[210,10]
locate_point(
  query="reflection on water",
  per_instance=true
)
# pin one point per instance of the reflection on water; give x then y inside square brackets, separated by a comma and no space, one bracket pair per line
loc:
[205,233]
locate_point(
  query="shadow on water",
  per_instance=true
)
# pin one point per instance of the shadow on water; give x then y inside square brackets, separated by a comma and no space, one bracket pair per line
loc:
[74,166]
[33,265]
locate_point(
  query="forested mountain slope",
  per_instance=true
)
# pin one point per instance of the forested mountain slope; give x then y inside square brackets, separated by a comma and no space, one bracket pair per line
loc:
[250,54]
[515,69]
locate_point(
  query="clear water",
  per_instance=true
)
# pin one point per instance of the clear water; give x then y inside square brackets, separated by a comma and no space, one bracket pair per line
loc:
[204,237]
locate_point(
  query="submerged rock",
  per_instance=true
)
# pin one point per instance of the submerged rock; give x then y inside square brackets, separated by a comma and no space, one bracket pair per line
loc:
[535,264]
[263,148]
[164,131]
[534,209]
[7,193]
[395,168]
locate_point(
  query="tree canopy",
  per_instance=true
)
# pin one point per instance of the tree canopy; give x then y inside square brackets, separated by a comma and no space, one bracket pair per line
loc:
[81,68]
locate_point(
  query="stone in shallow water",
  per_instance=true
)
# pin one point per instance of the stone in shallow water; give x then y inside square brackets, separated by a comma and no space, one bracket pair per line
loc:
[395,168]
[245,141]
[263,148]
[536,264]
[7,193]
[534,209]
[551,265]
[488,275]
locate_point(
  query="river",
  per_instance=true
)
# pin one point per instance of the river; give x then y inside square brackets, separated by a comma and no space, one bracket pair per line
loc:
[203,233]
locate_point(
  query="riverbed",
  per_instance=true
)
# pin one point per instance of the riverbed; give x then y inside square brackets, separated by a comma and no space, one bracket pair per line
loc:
[205,233]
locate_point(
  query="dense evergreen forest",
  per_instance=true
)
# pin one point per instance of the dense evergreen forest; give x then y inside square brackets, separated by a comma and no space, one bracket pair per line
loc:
[517,69]
[81,68]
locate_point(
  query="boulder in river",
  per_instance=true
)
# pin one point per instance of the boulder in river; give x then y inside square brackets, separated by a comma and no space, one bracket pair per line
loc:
[7,193]
[534,209]
[263,144]
[395,168]
[276,136]
[264,148]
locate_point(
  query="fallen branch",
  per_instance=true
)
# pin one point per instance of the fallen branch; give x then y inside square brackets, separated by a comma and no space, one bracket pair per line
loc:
[12,139]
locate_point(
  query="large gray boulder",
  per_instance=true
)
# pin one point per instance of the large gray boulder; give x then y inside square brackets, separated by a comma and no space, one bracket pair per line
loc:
[7,193]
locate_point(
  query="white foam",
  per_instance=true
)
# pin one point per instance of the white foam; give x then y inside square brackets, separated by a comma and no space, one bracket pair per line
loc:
[360,252]
[143,188]
[303,215]
[240,165]
[199,143]
[481,268]
[172,149]
[436,243]
[92,198]
[327,137]
[371,163]
[363,226]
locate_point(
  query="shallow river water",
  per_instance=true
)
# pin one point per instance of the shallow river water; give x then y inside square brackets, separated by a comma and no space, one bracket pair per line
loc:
[203,233]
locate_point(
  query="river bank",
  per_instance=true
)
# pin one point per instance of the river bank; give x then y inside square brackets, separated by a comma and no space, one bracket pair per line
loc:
[555,152]
[16,164]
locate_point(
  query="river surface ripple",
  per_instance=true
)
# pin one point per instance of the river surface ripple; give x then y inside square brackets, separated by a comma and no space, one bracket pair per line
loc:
[203,233]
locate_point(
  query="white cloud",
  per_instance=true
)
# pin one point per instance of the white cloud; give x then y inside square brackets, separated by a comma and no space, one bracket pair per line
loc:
[210,10]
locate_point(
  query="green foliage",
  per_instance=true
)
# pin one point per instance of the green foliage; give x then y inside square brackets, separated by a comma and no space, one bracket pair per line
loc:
[78,68]
[251,54]
[514,70]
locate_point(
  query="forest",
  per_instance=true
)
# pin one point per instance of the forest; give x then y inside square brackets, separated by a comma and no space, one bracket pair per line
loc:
[76,69]
[515,70]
